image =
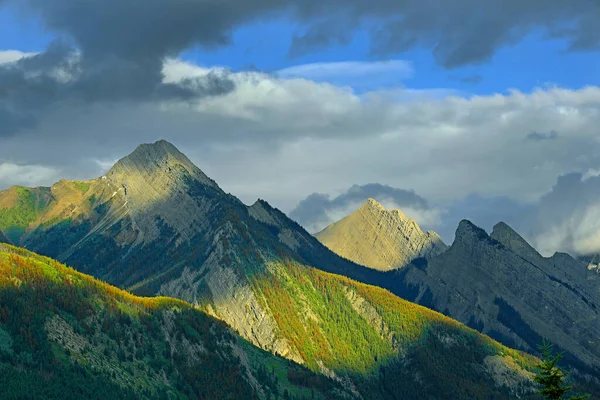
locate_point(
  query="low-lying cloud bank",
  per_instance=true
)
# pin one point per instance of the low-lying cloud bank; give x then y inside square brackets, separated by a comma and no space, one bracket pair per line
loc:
[565,219]
[319,210]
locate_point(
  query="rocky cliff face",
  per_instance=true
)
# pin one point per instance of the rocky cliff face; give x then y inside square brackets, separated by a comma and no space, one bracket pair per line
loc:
[501,286]
[151,182]
[380,239]
[497,284]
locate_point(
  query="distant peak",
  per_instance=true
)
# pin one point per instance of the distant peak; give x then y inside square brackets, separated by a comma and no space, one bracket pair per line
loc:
[158,149]
[502,229]
[379,238]
[373,206]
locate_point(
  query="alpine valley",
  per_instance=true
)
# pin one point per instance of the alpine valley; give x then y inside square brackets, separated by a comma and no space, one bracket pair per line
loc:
[252,306]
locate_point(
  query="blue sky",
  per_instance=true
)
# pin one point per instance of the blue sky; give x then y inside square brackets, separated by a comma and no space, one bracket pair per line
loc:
[535,61]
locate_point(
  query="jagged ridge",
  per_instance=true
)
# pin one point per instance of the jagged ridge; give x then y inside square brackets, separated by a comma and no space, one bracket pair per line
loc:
[502,286]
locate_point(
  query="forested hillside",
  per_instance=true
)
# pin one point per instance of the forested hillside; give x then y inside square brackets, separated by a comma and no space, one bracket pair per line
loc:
[66,335]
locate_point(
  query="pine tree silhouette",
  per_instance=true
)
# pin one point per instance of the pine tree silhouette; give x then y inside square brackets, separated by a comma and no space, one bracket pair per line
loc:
[551,377]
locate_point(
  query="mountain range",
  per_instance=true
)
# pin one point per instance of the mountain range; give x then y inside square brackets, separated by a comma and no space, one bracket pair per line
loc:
[155,224]
[501,286]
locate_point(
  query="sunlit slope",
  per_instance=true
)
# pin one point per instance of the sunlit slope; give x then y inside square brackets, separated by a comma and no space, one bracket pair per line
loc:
[66,335]
[380,239]
[387,347]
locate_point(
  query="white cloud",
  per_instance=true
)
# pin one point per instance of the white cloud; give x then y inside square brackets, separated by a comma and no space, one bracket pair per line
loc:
[567,218]
[353,73]
[8,56]
[282,139]
[26,175]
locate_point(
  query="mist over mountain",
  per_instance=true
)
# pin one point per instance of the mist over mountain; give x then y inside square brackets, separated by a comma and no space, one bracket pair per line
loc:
[562,219]
[318,210]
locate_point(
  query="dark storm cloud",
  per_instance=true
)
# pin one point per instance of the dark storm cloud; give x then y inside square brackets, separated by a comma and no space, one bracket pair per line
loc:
[319,210]
[12,122]
[121,45]
[541,136]
[62,75]
[458,32]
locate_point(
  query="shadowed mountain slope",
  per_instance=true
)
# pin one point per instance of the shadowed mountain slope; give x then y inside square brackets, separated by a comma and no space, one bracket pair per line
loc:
[3,238]
[502,286]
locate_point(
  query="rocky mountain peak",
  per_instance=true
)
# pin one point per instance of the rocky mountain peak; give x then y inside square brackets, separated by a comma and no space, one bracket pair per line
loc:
[371,203]
[157,184]
[380,239]
[150,160]
[373,206]
[467,230]
[511,239]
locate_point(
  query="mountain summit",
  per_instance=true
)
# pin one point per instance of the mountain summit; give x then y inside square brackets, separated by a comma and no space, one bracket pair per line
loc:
[380,239]
[153,183]
[148,161]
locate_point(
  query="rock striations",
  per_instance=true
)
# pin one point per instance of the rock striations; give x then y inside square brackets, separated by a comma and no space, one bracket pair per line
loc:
[381,239]
[151,182]
[501,286]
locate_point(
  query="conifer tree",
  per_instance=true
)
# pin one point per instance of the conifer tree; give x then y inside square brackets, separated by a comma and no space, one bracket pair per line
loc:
[551,377]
